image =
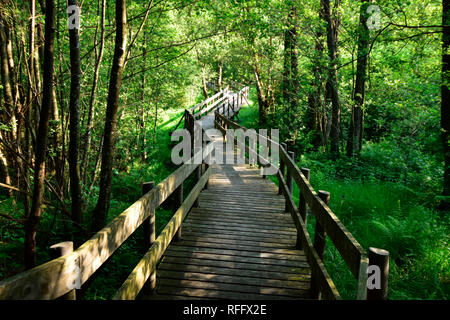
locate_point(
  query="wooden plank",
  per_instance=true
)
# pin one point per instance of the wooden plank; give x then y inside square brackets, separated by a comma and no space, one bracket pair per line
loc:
[344,241]
[235,232]
[232,268]
[321,276]
[239,236]
[50,280]
[242,229]
[237,279]
[257,220]
[221,240]
[263,219]
[191,292]
[134,283]
[245,247]
[221,256]
[237,208]
[239,253]
[234,220]
[232,288]
[265,216]
[218,221]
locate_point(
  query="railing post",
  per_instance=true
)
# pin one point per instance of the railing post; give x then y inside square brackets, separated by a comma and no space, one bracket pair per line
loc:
[206,165]
[289,181]
[379,258]
[149,236]
[319,234]
[319,245]
[302,205]
[59,250]
[266,155]
[282,167]
[178,202]
[198,175]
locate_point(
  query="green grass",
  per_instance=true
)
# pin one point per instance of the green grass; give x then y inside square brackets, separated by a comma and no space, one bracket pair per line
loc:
[382,214]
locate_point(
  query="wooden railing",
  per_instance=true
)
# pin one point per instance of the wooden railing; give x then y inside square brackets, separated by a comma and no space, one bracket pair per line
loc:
[58,277]
[207,105]
[327,223]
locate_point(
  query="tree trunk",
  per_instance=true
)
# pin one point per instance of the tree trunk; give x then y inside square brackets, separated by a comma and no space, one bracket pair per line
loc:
[219,81]
[204,86]
[445,102]
[354,142]
[294,81]
[142,126]
[89,126]
[332,42]
[101,209]
[287,63]
[74,110]
[316,103]
[41,139]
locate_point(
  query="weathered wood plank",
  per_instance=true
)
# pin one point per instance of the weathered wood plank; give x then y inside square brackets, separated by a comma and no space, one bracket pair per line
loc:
[232,268]
[240,246]
[140,274]
[57,277]
[235,232]
[239,253]
[256,288]
[237,279]
[239,236]
[321,276]
[344,241]
[216,294]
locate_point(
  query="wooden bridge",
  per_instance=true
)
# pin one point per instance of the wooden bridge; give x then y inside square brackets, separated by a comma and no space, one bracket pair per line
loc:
[236,235]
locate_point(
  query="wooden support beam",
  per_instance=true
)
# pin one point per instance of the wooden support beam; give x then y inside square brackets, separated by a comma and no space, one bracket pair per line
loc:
[289,180]
[302,204]
[60,250]
[319,244]
[282,168]
[323,283]
[149,236]
[178,202]
[134,283]
[379,258]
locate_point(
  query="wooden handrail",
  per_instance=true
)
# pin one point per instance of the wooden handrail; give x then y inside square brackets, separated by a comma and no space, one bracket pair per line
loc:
[136,280]
[201,104]
[349,248]
[55,278]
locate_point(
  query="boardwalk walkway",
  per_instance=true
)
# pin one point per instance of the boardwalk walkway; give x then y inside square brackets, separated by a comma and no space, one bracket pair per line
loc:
[231,237]
[238,244]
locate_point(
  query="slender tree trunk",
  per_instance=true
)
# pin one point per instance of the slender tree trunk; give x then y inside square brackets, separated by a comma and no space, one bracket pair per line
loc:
[204,86]
[445,102]
[89,126]
[74,110]
[219,81]
[142,107]
[294,81]
[332,42]
[6,80]
[101,209]
[316,103]
[41,141]
[287,63]
[354,142]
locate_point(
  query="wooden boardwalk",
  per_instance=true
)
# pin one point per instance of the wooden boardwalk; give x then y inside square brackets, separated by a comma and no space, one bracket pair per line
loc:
[238,244]
[228,238]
